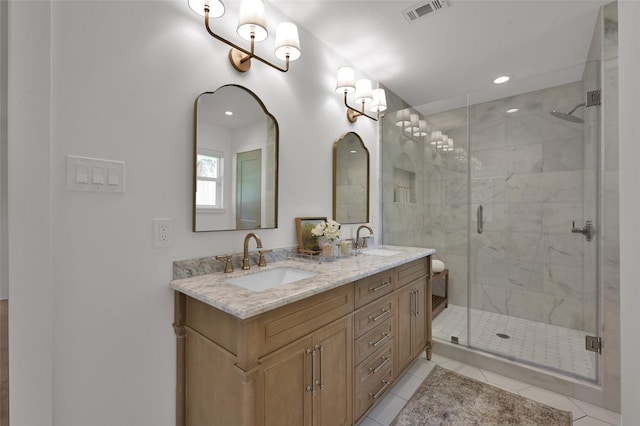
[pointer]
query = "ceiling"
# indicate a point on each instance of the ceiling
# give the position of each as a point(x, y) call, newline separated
point(433, 62)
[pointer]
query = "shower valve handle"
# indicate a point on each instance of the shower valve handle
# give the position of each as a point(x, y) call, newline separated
point(588, 230)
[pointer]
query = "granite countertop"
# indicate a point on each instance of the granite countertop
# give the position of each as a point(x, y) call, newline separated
point(215, 290)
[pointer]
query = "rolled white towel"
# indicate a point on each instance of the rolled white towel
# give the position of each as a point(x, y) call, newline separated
point(437, 265)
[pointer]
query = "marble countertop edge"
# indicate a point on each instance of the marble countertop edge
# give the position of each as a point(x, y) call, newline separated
point(215, 290)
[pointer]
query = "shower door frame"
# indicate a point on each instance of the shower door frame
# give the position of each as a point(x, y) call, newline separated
point(595, 216)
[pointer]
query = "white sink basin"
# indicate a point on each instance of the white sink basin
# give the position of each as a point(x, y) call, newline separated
point(381, 252)
point(272, 278)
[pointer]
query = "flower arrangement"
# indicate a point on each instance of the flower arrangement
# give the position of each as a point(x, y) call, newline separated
point(329, 229)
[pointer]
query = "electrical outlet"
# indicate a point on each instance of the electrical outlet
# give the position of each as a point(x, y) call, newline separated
point(162, 232)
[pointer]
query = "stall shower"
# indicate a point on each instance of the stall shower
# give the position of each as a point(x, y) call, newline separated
point(518, 195)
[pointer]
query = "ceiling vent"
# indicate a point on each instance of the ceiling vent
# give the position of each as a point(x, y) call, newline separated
point(422, 9)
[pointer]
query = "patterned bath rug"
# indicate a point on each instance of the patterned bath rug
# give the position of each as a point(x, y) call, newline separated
point(446, 398)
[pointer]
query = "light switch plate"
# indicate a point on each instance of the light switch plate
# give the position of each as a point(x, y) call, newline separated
point(95, 174)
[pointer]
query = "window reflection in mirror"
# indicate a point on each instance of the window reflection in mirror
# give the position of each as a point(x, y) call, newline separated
point(236, 162)
point(350, 179)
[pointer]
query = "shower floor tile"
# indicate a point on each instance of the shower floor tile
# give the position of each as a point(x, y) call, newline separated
point(544, 344)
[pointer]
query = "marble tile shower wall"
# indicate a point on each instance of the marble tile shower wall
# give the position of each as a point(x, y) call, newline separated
point(436, 214)
point(404, 164)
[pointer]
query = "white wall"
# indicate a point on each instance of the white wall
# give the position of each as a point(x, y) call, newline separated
point(30, 216)
point(629, 66)
point(4, 272)
point(91, 339)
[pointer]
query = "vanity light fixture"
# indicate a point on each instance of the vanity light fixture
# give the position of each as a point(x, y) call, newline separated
point(414, 123)
point(422, 129)
point(362, 94)
point(436, 136)
point(403, 118)
point(449, 146)
point(441, 142)
point(252, 26)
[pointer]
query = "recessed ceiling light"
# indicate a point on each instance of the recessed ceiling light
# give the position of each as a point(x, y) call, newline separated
point(501, 79)
point(353, 152)
point(512, 110)
point(228, 112)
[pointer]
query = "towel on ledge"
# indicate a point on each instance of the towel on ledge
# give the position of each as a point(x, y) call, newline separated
point(437, 265)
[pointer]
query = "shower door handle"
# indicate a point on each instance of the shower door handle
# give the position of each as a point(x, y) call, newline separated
point(479, 218)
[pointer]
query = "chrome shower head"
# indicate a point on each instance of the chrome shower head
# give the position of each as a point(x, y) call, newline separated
point(569, 116)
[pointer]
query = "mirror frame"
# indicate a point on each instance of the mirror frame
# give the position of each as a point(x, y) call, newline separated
point(335, 176)
point(195, 158)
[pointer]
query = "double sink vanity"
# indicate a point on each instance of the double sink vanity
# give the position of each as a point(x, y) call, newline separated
point(291, 342)
point(299, 342)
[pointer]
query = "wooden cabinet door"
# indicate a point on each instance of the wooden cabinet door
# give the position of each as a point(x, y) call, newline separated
point(412, 328)
point(284, 399)
point(419, 326)
point(404, 309)
point(333, 400)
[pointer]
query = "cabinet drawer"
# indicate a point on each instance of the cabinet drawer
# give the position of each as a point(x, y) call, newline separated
point(370, 288)
point(373, 314)
point(413, 270)
point(372, 368)
point(367, 396)
point(371, 341)
point(283, 325)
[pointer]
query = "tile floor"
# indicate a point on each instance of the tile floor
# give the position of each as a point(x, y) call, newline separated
point(544, 344)
point(584, 414)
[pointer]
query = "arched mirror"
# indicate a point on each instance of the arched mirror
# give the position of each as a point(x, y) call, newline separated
point(236, 162)
point(350, 179)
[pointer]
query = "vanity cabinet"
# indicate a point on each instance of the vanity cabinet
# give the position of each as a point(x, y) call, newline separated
point(309, 381)
point(321, 361)
point(256, 371)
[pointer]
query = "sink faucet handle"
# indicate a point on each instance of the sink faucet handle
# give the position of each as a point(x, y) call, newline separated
point(262, 261)
point(228, 267)
point(364, 242)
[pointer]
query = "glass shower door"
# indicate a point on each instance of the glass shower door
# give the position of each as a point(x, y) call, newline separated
point(533, 293)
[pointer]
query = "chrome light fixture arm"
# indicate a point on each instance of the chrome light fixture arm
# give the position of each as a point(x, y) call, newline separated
point(353, 113)
point(240, 58)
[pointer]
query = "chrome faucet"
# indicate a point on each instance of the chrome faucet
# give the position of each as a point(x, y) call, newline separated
point(245, 258)
point(364, 241)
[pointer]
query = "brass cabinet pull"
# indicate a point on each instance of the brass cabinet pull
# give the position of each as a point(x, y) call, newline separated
point(385, 359)
point(311, 388)
point(380, 315)
point(376, 395)
point(382, 285)
point(412, 301)
point(384, 336)
point(320, 383)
